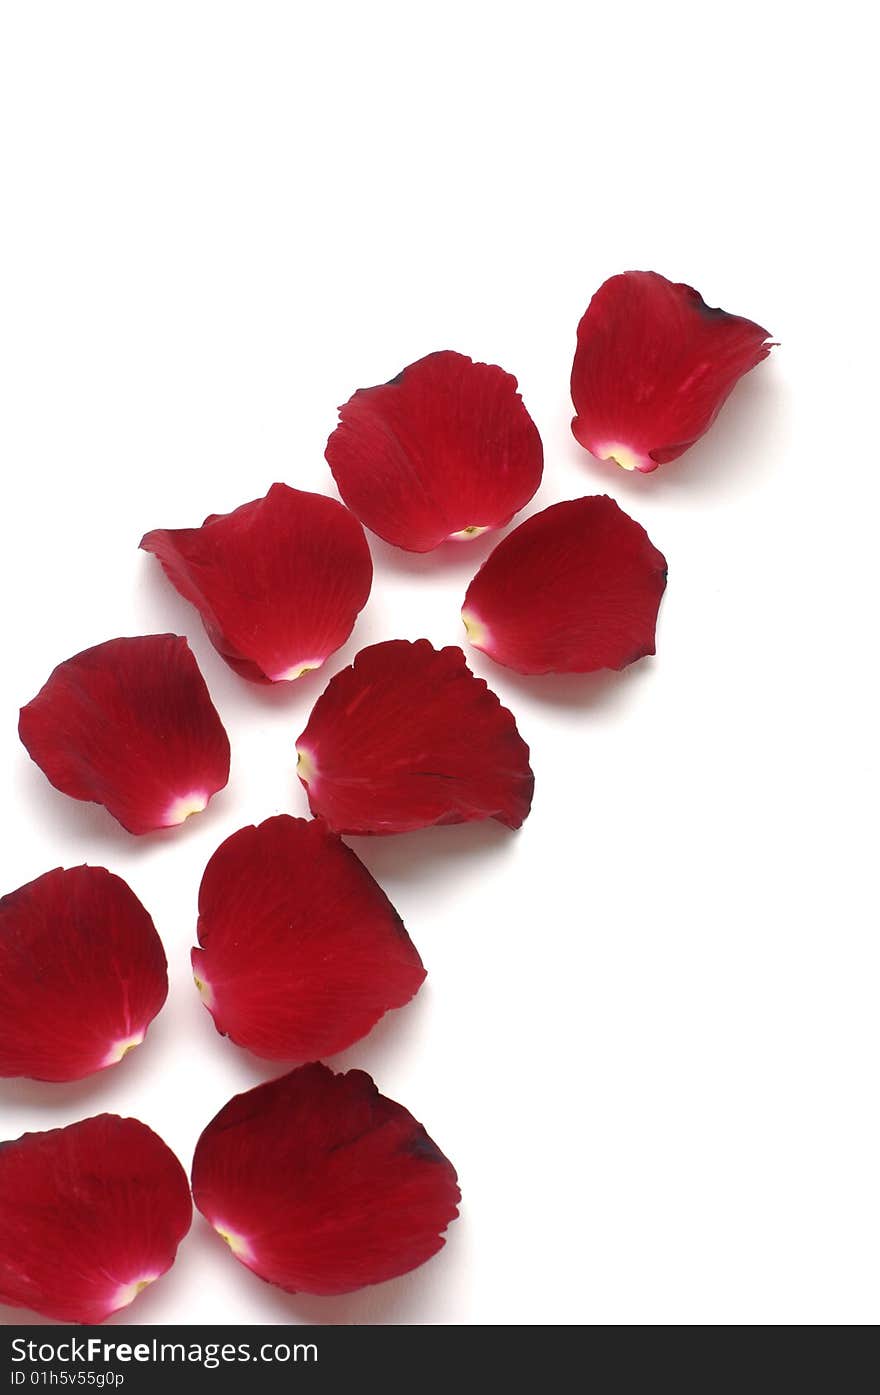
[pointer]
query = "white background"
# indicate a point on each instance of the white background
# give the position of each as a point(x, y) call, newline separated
point(648, 1036)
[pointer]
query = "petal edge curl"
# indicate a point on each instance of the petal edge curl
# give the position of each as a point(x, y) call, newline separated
point(279, 582)
point(653, 367)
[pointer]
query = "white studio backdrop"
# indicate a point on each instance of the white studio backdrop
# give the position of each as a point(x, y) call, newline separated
point(648, 1035)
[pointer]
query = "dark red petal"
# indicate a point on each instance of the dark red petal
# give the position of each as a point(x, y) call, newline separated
point(573, 589)
point(319, 1184)
point(82, 974)
point(654, 365)
point(278, 583)
point(445, 450)
point(302, 952)
point(130, 725)
point(407, 737)
point(89, 1216)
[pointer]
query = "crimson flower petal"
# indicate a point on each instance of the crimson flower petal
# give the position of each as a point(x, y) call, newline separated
point(319, 1184)
point(653, 367)
point(130, 725)
point(82, 974)
point(573, 589)
point(278, 583)
point(445, 450)
point(407, 737)
point(301, 950)
point(90, 1215)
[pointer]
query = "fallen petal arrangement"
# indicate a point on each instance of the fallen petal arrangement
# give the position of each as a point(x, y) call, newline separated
point(130, 725)
point(319, 1184)
point(301, 951)
point(82, 974)
point(278, 583)
point(654, 366)
point(444, 451)
point(573, 589)
point(90, 1216)
point(406, 738)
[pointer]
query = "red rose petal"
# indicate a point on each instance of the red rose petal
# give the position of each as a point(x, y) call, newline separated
point(319, 1184)
point(407, 737)
point(573, 589)
point(302, 952)
point(445, 450)
point(130, 725)
point(82, 974)
point(278, 583)
point(653, 367)
point(89, 1216)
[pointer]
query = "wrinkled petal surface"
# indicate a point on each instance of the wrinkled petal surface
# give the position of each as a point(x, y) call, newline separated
point(573, 589)
point(82, 974)
point(319, 1184)
point(445, 450)
point(301, 951)
point(130, 725)
point(278, 583)
point(90, 1215)
point(653, 367)
point(407, 737)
